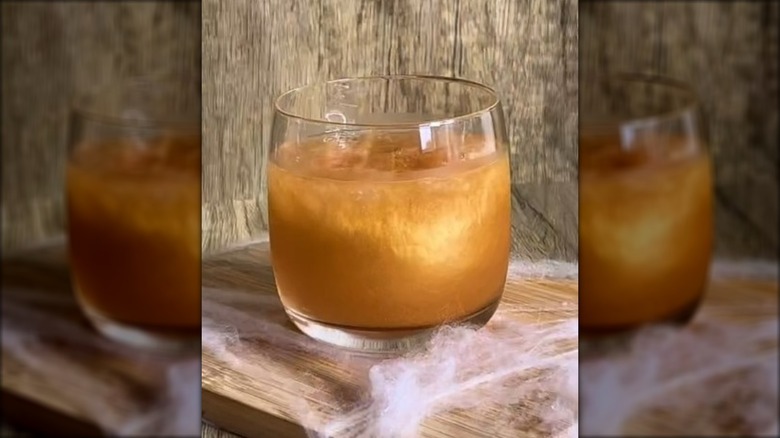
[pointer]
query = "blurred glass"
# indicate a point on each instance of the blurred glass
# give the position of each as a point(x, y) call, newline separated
point(133, 208)
point(389, 207)
point(646, 203)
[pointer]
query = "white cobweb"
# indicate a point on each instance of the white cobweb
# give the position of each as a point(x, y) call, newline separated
point(531, 366)
point(521, 378)
point(706, 378)
point(711, 378)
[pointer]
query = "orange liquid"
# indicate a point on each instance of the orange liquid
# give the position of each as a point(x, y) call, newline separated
point(646, 230)
point(134, 224)
point(380, 235)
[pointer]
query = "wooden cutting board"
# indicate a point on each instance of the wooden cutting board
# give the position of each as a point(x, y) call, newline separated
point(60, 376)
point(736, 324)
point(270, 406)
point(127, 384)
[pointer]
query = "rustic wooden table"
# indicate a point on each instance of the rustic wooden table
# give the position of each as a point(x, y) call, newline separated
point(258, 389)
point(211, 431)
point(258, 405)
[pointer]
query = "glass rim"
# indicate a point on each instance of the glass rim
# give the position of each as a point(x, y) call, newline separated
point(494, 103)
point(85, 108)
point(690, 104)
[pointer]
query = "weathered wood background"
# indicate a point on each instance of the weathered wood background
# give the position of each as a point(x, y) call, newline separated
point(527, 50)
point(53, 52)
point(728, 51)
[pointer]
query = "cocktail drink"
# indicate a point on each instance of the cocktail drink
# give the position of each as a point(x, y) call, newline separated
point(133, 202)
point(646, 212)
point(382, 231)
point(388, 237)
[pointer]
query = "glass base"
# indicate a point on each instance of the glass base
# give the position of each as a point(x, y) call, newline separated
point(380, 340)
point(595, 341)
point(173, 341)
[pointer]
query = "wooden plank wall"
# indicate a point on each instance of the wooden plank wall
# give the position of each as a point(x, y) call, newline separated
point(53, 52)
point(728, 51)
point(527, 50)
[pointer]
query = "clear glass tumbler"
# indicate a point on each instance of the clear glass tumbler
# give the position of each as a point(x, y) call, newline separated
point(389, 207)
point(646, 203)
point(133, 204)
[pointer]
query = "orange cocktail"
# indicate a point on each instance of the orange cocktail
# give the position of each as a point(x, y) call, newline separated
point(646, 230)
point(389, 208)
point(380, 235)
point(646, 204)
point(134, 231)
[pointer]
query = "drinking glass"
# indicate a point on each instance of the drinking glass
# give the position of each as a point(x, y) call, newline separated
point(646, 203)
point(133, 208)
point(388, 207)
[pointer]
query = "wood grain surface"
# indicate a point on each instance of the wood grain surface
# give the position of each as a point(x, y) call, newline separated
point(252, 51)
point(729, 52)
point(235, 402)
point(53, 53)
point(296, 369)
